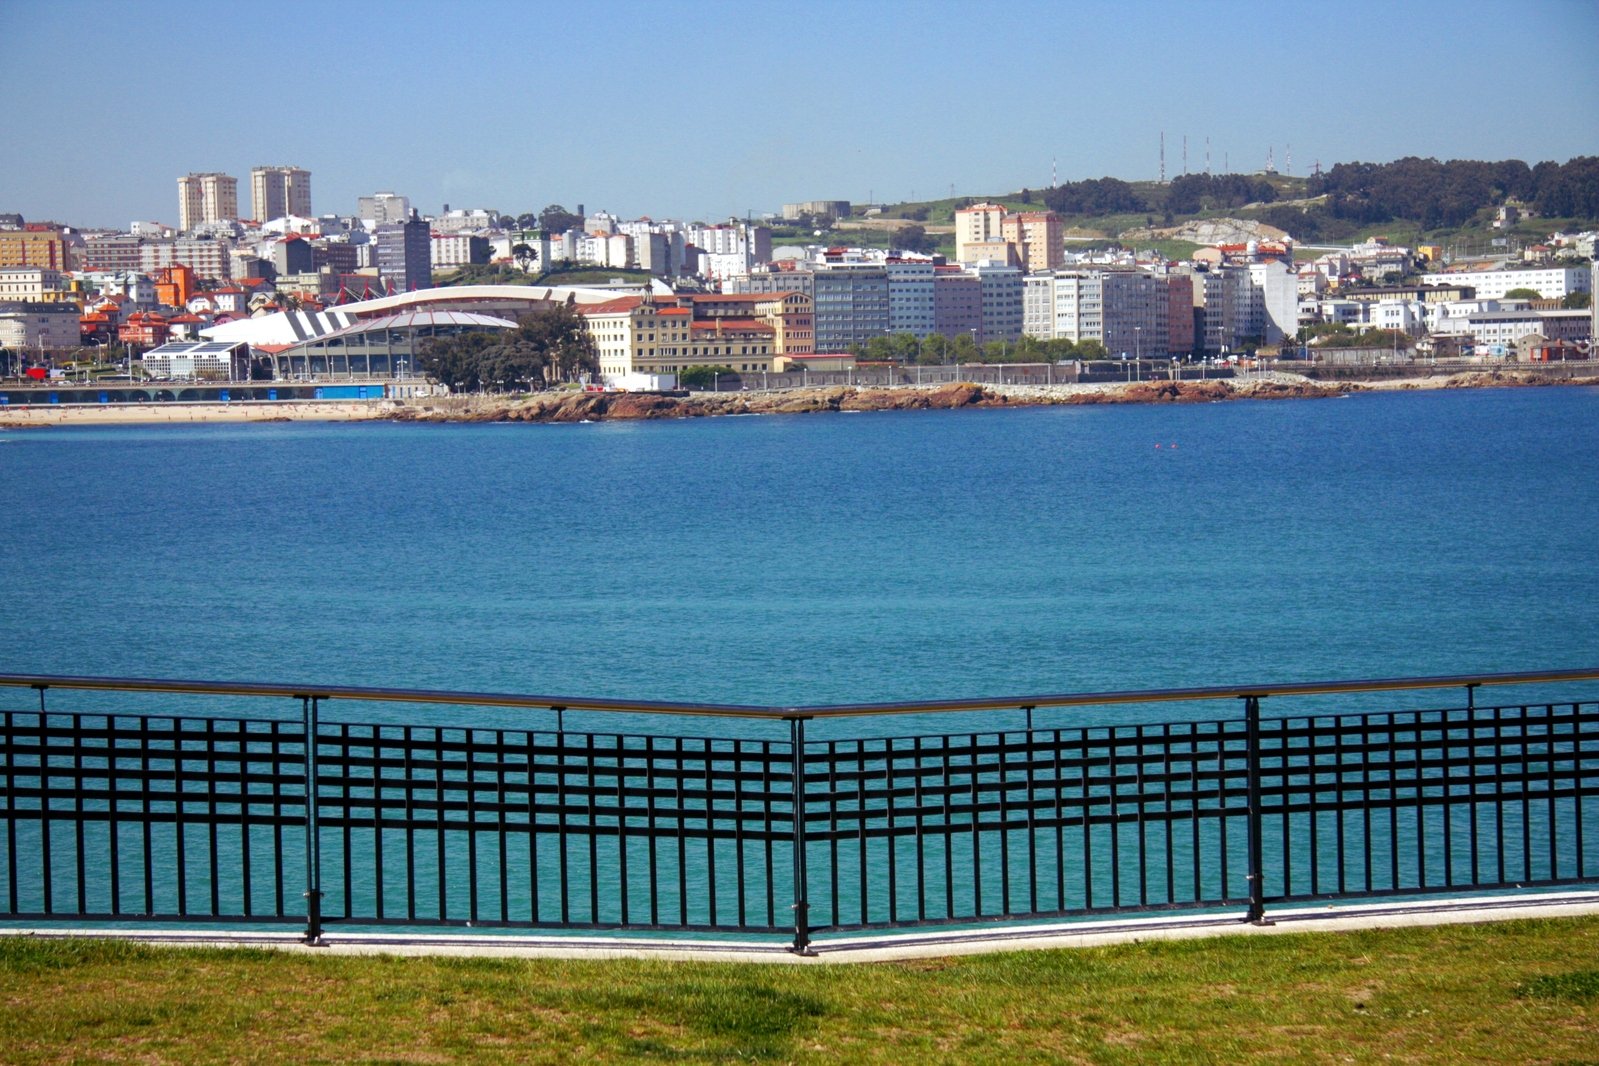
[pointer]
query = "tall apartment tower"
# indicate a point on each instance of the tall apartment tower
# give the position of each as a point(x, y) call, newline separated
point(405, 253)
point(279, 191)
point(206, 197)
point(975, 227)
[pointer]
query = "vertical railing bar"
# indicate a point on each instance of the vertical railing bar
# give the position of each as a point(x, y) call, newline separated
point(178, 812)
point(977, 820)
point(1499, 791)
point(1393, 800)
point(768, 831)
point(1168, 809)
point(1577, 785)
point(1420, 799)
point(836, 896)
point(378, 870)
point(1030, 782)
point(1549, 748)
point(624, 886)
point(441, 798)
point(1087, 823)
point(1526, 793)
point(347, 831)
point(1257, 874)
point(11, 813)
point(802, 905)
point(710, 828)
point(1446, 738)
point(1002, 745)
point(652, 829)
point(502, 821)
point(741, 876)
point(213, 783)
point(470, 750)
point(113, 804)
point(947, 788)
point(1115, 814)
point(1140, 814)
point(681, 778)
point(309, 709)
point(562, 816)
point(919, 827)
point(893, 840)
point(409, 742)
point(1057, 786)
point(592, 801)
point(1313, 759)
point(862, 818)
point(78, 812)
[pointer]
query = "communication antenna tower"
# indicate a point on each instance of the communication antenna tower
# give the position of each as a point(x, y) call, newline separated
point(1288, 159)
point(1207, 157)
point(1163, 157)
point(1315, 169)
point(1185, 154)
point(1054, 177)
point(1271, 165)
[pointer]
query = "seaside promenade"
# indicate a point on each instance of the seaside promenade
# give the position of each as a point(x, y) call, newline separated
point(571, 406)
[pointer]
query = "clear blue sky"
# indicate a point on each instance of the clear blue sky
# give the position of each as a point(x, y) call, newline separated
point(702, 110)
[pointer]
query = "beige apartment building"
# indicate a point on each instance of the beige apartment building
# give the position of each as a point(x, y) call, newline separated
point(980, 224)
point(1038, 237)
point(207, 197)
point(668, 334)
point(1032, 240)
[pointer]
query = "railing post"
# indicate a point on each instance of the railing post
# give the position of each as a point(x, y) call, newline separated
point(1256, 874)
point(802, 905)
point(309, 706)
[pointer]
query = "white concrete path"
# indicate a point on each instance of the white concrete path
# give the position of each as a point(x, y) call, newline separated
point(883, 947)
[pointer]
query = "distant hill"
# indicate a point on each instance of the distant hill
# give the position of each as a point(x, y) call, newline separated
point(1411, 198)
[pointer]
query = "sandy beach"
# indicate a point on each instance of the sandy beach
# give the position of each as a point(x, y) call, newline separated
point(570, 406)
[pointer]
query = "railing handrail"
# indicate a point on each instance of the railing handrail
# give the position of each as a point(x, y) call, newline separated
point(729, 710)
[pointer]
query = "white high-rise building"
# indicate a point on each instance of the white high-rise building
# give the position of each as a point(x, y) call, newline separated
point(209, 197)
point(277, 192)
point(383, 207)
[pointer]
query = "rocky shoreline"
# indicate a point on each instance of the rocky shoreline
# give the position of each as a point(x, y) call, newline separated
point(571, 406)
point(568, 407)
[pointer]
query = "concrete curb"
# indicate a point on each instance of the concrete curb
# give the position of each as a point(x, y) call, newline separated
point(886, 947)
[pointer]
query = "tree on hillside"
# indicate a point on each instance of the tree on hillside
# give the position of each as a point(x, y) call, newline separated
point(1575, 301)
point(1523, 294)
point(527, 220)
point(913, 238)
point(525, 255)
point(557, 219)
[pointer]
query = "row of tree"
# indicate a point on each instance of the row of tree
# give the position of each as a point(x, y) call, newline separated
point(935, 349)
point(548, 346)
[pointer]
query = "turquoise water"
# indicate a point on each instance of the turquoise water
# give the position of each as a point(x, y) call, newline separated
point(814, 559)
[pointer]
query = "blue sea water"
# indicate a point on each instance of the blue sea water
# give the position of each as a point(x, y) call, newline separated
point(818, 559)
point(805, 560)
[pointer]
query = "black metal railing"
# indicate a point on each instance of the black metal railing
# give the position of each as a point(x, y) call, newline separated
point(212, 818)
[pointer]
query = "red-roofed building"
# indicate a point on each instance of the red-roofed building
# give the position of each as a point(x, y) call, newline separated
point(145, 328)
point(667, 334)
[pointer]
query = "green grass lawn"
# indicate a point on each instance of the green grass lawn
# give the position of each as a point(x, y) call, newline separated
point(1525, 991)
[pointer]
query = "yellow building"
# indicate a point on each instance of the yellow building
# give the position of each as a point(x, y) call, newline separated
point(1039, 239)
point(979, 224)
point(668, 334)
point(41, 247)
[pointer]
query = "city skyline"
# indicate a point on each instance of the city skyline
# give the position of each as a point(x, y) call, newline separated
point(702, 111)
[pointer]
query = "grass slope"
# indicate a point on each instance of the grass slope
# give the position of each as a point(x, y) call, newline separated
point(1510, 992)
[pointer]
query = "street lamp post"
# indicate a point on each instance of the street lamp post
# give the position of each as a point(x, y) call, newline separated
point(1138, 350)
